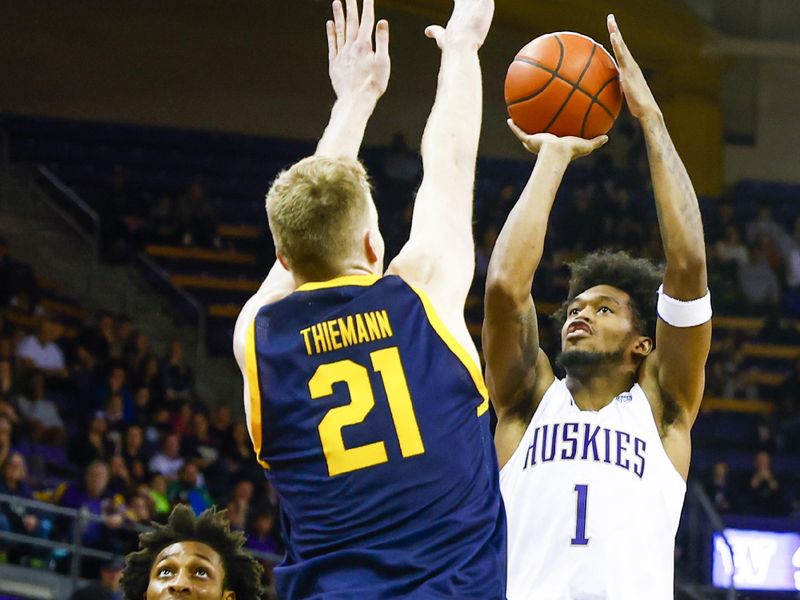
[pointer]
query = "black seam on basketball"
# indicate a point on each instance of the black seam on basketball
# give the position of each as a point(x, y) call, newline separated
point(596, 97)
point(541, 89)
point(596, 100)
point(553, 73)
point(575, 86)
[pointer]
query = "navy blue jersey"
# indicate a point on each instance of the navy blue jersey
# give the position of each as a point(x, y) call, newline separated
point(372, 424)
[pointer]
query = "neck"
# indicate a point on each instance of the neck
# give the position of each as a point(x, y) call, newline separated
point(347, 269)
point(592, 388)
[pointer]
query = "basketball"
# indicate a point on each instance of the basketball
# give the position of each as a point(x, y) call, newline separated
point(563, 83)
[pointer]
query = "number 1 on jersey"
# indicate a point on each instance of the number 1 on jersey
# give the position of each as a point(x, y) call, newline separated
point(580, 538)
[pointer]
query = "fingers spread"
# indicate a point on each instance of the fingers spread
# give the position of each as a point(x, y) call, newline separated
point(338, 20)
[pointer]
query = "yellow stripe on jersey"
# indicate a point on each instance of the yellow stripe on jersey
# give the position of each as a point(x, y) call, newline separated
point(251, 366)
point(362, 280)
point(456, 348)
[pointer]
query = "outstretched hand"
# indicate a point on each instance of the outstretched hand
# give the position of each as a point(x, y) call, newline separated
point(355, 68)
point(637, 93)
point(569, 146)
point(468, 25)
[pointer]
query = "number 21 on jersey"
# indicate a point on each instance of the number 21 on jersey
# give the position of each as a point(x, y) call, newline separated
point(362, 399)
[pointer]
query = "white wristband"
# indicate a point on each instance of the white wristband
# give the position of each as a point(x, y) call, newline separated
point(683, 313)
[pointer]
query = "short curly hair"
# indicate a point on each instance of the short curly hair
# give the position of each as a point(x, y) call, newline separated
point(637, 277)
point(242, 572)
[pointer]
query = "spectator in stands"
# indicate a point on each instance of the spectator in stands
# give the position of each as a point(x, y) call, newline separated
point(134, 352)
point(120, 482)
point(8, 387)
point(93, 495)
point(181, 420)
point(158, 495)
point(261, 535)
point(94, 445)
point(40, 414)
point(150, 376)
point(792, 261)
point(41, 351)
point(200, 445)
point(238, 450)
point(141, 407)
point(14, 482)
point(133, 448)
point(758, 283)
point(190, 489)
point(176, 376)
point(15, 277)
point(114, 385)
point(169, 461)
point(99, 338)
point(8, 391)
point(238, 513)
point(197, 221)
point(108, 588)
point(730, 249)
point(765, 226)
point(6, 430)
point(764, 493)
point(123, 330)
point(221, 422)
point(164, 226)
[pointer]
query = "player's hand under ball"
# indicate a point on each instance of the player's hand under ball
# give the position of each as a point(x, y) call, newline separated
point(569, 146)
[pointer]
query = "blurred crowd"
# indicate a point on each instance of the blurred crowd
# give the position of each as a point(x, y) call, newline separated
point(98, 421)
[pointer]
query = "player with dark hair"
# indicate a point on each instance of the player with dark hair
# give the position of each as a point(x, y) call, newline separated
point(365, 400)
point(594, 465)
point(196, 557)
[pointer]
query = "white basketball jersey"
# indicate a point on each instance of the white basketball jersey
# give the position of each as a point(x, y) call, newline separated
point(593, 503)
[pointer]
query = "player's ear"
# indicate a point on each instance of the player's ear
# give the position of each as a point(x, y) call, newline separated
point(643, 346)
point(229, 595)
point(282, 260)
point(372, 246)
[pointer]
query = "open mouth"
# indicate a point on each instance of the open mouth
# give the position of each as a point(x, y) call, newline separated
point(578, 329)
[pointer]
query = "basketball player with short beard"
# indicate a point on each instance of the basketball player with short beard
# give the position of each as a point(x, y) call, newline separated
point(593, 466)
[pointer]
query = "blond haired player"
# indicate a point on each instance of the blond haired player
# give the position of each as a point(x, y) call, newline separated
point(365, 401)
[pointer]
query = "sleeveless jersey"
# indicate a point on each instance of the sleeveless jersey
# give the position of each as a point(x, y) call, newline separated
point(372, 424)
point(593, 503)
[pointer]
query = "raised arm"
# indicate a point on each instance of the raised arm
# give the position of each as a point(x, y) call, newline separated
point(517, 371)
point(439, 256)
point(681, 352)
point(359, 75)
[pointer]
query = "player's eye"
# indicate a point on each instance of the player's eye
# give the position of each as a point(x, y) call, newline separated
point(164, 571)
point(604, 309)
point(202, 573)
point(573, 311)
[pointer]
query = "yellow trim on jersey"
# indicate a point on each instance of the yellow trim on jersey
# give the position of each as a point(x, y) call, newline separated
point(362, 280)
point(251, 366)
point(456, 348)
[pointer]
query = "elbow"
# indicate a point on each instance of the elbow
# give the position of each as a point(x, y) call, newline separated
point(503, 289)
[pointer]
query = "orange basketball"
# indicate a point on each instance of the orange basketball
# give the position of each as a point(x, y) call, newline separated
point(563, 83)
